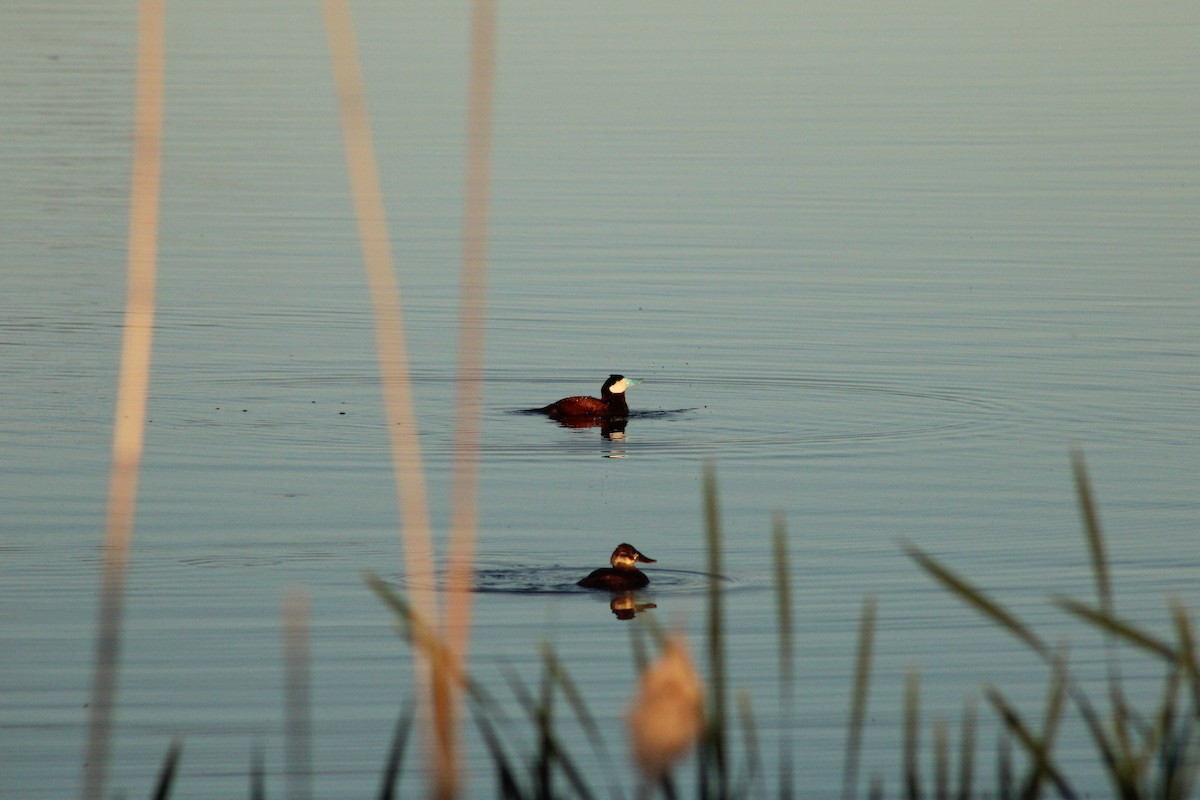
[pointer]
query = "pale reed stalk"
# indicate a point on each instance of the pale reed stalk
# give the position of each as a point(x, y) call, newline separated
point(130, 416)
point(393, 360)
point(465, 483)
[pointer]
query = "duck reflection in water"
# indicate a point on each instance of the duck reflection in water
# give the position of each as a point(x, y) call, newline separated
point(623, 575)
point(624, 606)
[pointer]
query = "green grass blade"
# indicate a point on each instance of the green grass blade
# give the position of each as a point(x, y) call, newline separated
point(858, 708)
point(977, 599)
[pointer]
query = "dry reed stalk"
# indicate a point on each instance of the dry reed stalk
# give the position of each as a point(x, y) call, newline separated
point(297, 695)
point(393, 365)
point(465, 480)
point(130, 416)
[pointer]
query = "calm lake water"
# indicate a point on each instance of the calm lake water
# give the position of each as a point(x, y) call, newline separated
point(884, 264)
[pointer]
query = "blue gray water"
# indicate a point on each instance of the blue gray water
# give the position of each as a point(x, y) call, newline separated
point(883, 264)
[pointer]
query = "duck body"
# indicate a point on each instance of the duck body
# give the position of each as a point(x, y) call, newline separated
point(623, 575)
point(611, 403)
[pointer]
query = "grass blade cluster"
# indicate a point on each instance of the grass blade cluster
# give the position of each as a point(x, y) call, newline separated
point(1148, 754)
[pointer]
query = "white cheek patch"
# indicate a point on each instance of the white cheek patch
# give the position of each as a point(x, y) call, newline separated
point(619, 387)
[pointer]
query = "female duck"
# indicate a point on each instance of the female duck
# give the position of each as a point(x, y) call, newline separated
point(610, 405)
point(623, 575)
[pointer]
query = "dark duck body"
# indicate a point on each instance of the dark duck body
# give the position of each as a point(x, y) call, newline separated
point(623, 575)
point(609, 405)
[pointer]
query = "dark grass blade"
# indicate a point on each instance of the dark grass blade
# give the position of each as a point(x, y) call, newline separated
point(543, 715)
point(941, 760)
point(912, 727)
point(391, 769)
point(166, 775)
point(1159, 734)
point(510, 787)
point(858, 708)
point(966, 755)
point(583, 715)
point(1004, 767)
point(550, 751)
point(1050, 720)
point(753, 764)
point(1043, 766)
point(258, 776)
point(977, 599)
point(787, 677)
point(1187, 650)
point(1095, 723)
point(712, 758)
point(1121, 629)
point(1091, 527)
point(485, 711)
point(1096, 549)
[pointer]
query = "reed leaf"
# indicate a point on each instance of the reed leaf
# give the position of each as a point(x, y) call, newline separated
point(977, 599)
point(858, 708)
point(1124, 630)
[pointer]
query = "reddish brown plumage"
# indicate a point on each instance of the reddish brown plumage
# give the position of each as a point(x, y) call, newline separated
point(610, 404)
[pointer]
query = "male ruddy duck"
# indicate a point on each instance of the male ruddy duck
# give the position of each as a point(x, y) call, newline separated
point(623, 574)
point(610, 405)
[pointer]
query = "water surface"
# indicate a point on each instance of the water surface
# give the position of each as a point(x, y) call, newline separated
point(883, 265)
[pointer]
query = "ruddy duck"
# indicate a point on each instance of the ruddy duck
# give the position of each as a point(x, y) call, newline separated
point(610, 405)
point(623, 574)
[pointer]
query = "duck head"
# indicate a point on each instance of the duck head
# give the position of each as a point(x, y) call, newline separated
point(626, 556)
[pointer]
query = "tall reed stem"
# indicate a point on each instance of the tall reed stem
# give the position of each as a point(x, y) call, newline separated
point(465, 482)
point(393, 357)
point(130, 418)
